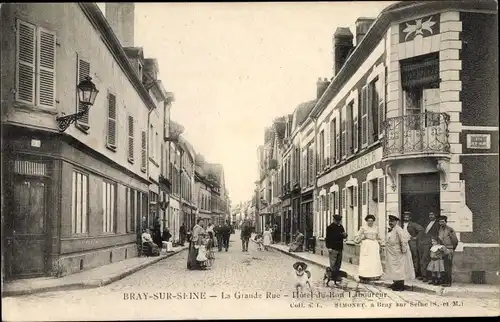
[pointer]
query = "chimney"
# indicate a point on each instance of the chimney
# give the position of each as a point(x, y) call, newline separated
point(321, 86)
point(120, 16)
point(342, 46)
point(362, 26)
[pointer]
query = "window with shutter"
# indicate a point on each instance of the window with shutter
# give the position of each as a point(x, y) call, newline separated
point(321, 151)
point(350, 128)
point(343, 199)
point(337, 195)
point(374, 104)
point(143, 151)
point(131, 139)
point(26, 57)
point(332, 141)
point(364, 116)
point(83, 70)
point(337, 141)
point(343, 136)
point(111, 137)
point(328, 139)
point(46, 68)
point(355, 196)
point(363, 193)
point(381, 189)
point(381, 104)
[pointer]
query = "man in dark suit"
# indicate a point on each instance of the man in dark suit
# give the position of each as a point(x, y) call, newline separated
point(414, 230)
point(448, 237)
point(424, 244)
point(335, 235)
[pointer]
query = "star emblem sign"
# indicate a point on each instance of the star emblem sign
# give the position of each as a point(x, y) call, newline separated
point(419, 27)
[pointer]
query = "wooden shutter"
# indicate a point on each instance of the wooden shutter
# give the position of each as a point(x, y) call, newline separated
point(337, 195)
point(46, 68)
point(381, 189)
point(381, 104)
point(337, 140)
point(131, 138)
point(343, 137)
point(370, 99)
point(83, 70)
point(328, 139)
point(363, 193)
point(355, 128)
point(26, 57)
point(355, 196)
point(332, 141)
point(364, 116)
point(143, 151)
point(111, 137)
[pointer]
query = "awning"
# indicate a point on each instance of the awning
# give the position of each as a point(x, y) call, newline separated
point(419, 73)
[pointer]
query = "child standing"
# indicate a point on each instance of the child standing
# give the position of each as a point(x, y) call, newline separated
point(436, 265)
point(258, 240)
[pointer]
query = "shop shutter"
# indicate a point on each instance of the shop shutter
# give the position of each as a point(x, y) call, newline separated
point(363, 193)
point(46, 73)
point(83, 70)
point(26, 56)
point(111, 137)
point(131, 138)
point(143, 151)
point(381, 189)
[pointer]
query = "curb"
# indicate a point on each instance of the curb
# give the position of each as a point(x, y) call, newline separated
point(413, 288)
point(90, 283)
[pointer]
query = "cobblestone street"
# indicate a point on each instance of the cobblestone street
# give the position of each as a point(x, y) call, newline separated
point(256, 284)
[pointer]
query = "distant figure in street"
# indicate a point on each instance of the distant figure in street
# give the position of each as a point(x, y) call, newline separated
point(166, 235)
point(267, 238)
point(399, 264)
point(414, 230)
point(334, 240)
point(424, 244)
point(218, 235)
point(246, 233)
point(449, 238)
point(182, 234)
point(275, 233)
point(298, 244)
point(157, 231)
point(226, 234)
point(196, 241)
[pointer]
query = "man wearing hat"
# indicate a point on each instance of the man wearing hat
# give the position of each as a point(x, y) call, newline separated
point(399, 264)
point(449, 239)
point(334, 240)
point(414, 230)
point(425, 243)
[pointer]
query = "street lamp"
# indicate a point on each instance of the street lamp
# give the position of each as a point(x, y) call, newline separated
point(87, 92)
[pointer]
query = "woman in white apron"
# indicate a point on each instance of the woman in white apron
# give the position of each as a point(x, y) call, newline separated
point(370, 265)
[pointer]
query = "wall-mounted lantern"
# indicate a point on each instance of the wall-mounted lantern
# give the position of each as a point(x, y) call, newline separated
point(87, 92)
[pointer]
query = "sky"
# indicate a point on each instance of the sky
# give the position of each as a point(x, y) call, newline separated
point(234, 67)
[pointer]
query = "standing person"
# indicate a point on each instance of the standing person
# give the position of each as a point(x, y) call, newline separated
point(210, 232)
point(267, 238)
point(182, 234)
point(196, 239)
point(157, 231)
point(226, 234)
point(334, 240)
point(246, 232)
point(370, 265)
point(219, 235)
point(414, 230)
point(449, 239)
point(399, 264)
point(436, 265)
point(166, 238)
point(424, 245)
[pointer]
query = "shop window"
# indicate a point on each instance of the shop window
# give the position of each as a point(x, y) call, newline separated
point(79, 203)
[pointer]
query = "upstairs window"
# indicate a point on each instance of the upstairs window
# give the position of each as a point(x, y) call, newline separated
point(83, 71)
point(111, 133)
point(131, 139)
point(35, 65)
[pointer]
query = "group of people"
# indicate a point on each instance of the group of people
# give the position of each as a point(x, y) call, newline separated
point(410, 250)
point(202, 239)
point(265, 239)
point(153, 239)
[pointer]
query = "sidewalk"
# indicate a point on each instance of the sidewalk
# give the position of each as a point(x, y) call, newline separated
point(459, 290)
point(91, 278)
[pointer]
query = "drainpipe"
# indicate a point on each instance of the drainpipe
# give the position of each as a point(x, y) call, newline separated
point(147, 163)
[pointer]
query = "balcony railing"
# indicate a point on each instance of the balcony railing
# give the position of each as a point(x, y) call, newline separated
point(424, 133)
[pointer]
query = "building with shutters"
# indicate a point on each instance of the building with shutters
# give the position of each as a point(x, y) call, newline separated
point(407, 124)
point(74, 200)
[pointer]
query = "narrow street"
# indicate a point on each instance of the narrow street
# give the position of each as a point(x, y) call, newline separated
point(254, 284)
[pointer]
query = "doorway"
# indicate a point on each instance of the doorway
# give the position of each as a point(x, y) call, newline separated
point(26, 228)
point(420, 195)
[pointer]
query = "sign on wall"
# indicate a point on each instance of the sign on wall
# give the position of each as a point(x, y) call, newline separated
point(425, 27)
point(479, 141)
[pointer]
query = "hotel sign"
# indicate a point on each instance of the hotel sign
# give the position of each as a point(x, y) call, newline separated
point(357, 164)
point(479, 141)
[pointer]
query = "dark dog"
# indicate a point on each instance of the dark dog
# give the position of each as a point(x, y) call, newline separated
point(336, 277)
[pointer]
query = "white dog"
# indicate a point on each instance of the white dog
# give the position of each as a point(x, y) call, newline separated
point(302, 275)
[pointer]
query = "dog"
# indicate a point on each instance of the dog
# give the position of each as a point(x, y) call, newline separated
point(336, 277)
point(302, 275)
